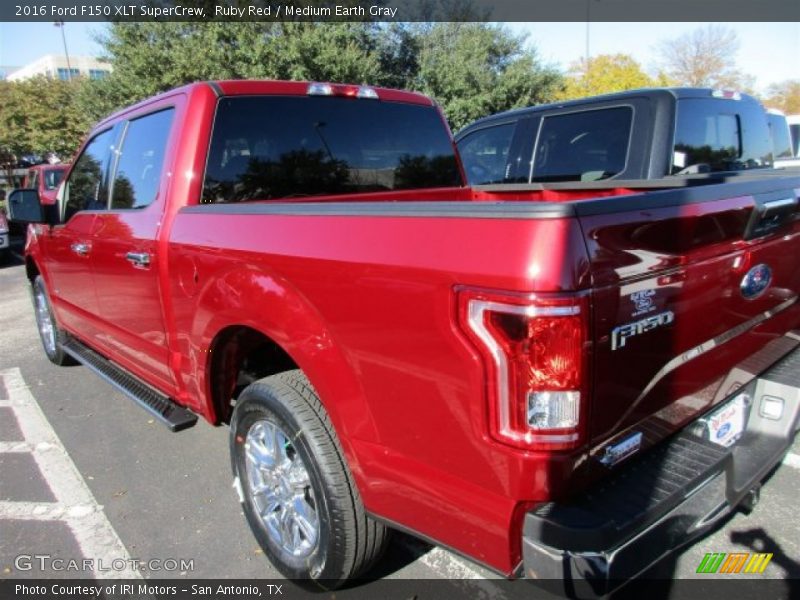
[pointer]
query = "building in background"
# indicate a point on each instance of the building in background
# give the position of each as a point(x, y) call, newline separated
point(55, 66)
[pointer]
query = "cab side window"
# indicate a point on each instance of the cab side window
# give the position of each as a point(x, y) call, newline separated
point(141, 161)
point(86, 186)
point(484, 154)
point(588, 145)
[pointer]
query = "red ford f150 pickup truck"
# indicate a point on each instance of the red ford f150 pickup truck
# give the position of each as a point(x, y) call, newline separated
point(559, 384)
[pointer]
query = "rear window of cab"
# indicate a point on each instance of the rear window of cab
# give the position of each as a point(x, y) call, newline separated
point(273, 147)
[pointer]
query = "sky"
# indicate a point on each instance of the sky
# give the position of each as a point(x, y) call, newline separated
point(769, 51)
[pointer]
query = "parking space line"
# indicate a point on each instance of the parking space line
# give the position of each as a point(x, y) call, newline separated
point(792, 460)
point(32, 511)
point(15, 447)
point(448, 565)
point(75, 504)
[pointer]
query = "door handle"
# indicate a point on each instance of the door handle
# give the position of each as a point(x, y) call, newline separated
point(80, 248)
point(140, 260)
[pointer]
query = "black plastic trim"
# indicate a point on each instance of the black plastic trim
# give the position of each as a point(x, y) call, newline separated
point(683, 196)
point(217, 88)
point(174, 416)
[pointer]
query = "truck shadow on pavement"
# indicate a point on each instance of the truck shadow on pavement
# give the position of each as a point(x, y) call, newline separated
point(758, 540)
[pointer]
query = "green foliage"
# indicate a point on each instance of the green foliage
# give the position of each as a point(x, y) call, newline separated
point(38, 116)
point(476, 69)
point(472, 69)
point(154, 57)
point(605, 74)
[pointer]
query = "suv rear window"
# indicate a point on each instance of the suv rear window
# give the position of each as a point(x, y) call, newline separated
point(267, 147)
point(583, 146)
point(713, 135)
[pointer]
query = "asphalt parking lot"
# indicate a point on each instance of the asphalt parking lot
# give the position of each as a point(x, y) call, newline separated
point(86, 474)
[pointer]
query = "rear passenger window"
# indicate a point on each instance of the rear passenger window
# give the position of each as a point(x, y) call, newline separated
point(583, 146)
point(86, 187)
point(141, 161)
point(485, 154)
point(713, 135)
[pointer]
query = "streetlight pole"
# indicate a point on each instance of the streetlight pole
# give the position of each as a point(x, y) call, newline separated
point(588, 17)
point(61, 25)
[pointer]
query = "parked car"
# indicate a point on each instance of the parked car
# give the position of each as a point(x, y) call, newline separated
point(781, 140)
point(794, 128)
point(5, 249)
point(45, 178)
point(635, 135)
point(562, 381)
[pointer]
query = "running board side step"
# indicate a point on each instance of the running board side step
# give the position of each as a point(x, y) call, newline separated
point(161, 407)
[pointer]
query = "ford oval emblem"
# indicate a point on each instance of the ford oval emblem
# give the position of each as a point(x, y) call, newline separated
point(756, 281)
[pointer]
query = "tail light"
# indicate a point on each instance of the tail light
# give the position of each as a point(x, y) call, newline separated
point(534, 349)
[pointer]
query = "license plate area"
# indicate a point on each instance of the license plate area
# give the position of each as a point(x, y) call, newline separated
point(725, 425)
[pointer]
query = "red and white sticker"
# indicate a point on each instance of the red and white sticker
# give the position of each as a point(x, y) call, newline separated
point(726, 425)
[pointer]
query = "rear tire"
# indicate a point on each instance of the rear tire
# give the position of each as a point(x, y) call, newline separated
point(298, 494)
point(52, 337)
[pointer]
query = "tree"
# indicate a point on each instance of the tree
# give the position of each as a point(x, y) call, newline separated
point(784, 96)
point(604, 74)
point(705, 57)
point(476, 69)
point(40, 115)
point(153, 57)
point(472, 69)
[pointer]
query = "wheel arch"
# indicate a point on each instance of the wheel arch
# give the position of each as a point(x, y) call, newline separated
point(251, 319)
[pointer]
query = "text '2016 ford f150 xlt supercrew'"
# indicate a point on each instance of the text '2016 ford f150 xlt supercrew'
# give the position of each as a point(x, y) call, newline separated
point(537, 381)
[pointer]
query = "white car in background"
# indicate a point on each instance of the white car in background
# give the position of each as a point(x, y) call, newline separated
point(783, 150)
point(794, 130)
point(4, 237)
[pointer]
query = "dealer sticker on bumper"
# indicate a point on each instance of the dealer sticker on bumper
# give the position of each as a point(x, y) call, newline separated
point(726, 424)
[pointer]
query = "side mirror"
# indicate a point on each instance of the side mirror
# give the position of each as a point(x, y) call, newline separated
point(24, 206)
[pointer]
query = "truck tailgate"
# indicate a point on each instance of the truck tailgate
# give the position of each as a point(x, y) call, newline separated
point(694, 294)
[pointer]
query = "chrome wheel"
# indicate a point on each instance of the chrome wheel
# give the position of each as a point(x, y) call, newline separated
point(45, 323)
point(280, 489)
